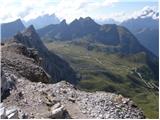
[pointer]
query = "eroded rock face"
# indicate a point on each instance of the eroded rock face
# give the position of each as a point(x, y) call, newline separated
point(56, 67)
point(18, 61)
point(23, 61)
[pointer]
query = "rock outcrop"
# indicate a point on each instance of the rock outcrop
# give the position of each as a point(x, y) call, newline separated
point(56, 67)
point(8, 113)
point(26, 95)
point(62, 100)
point(17, 60)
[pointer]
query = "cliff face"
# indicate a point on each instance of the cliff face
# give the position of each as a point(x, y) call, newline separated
point(25, 94)
point(20, 61)
point(56, 67)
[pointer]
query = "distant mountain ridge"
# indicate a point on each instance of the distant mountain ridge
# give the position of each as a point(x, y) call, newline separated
point(146, 28)
point(147, 18)
point(118, 39)
point(10, 29)
point(139, 23)
point(150, 39)
point(42, 21)
point(116, 36)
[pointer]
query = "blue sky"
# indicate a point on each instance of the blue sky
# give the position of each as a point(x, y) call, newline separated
point(71, 9)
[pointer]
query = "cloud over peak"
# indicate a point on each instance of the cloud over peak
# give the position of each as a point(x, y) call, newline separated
point(147, 11)
point(69, 9)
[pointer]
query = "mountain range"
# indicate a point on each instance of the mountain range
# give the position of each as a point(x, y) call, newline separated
point(110, 34)
point(117, 37)
point(140, 26)
point(145, 27)
point(94, 57)
point(42, 21)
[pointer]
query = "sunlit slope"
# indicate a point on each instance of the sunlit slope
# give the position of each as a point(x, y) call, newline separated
point(107, 71)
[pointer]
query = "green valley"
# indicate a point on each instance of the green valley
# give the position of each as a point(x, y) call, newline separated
point(111, 72)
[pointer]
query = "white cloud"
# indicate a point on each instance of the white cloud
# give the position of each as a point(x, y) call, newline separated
point(68, 9)
point(71, 9)
point(147, 11)
point(13, 9)
point(64, 9)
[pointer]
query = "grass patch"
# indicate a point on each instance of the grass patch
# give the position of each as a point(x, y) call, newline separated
point(110, 72)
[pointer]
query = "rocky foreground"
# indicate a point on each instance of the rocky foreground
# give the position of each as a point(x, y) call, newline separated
point(26, 92)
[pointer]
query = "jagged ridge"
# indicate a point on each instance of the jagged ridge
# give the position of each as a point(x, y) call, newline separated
point(113, 35)
point(54, 65)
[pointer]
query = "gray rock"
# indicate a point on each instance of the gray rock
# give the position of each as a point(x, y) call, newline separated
point(24, 116)
point(13, 115)
point(3, 113)
point(10, 111)
point(125, 100)
point(1, 105)
point(57, 113)
point(71, 99)
point(57, 105)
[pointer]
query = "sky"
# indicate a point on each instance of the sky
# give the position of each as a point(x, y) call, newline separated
point(70, 9)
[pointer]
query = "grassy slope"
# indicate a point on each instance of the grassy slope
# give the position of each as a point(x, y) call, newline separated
point(108, 72)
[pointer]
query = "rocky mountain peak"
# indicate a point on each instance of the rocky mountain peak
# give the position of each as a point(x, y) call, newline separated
point(81, 18)
point(10, 29)
point(88, 18)
point(42, 20)
point(63, 22)
point(83, 21)
point(18, 20)
point(75, 21)
point(30, 38)
point(30, 30)
point(57, 68)
point(15, 22)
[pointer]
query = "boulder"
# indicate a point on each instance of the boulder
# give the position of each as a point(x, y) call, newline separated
point(8, 113)
point(57, 113)
point(3, 113)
